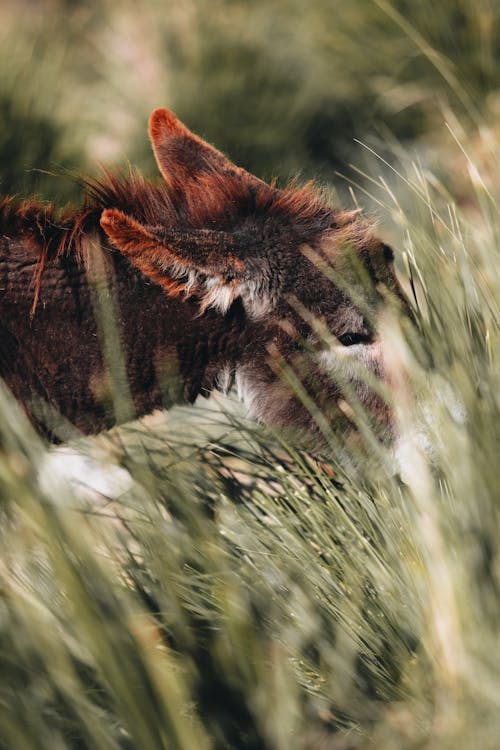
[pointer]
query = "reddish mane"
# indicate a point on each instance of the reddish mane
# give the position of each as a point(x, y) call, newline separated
point(51, 231)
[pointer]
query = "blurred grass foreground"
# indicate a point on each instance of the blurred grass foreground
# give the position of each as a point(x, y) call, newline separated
point(218, 588)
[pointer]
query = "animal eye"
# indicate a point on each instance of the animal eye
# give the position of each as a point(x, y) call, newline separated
point(350, 339)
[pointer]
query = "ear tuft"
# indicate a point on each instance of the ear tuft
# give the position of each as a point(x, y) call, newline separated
point(110, 217)
point(124, 231)
point(164, 123)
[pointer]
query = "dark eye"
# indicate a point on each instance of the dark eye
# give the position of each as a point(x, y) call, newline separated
point(350, 339)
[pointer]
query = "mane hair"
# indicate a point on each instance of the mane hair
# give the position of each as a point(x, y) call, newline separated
point(50, 231)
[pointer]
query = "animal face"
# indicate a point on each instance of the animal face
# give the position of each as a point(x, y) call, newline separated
point(309, 278)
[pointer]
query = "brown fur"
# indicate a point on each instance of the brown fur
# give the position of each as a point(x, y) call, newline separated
point(232, 261)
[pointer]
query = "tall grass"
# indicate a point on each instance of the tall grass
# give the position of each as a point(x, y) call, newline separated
point(237, 593)
point(232, 591)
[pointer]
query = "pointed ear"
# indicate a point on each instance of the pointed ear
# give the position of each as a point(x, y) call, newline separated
point(193, 167)
point(196, 261)
point(141, 248)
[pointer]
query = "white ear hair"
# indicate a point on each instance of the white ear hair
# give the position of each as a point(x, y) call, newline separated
point(257, 302)
point(217, 293)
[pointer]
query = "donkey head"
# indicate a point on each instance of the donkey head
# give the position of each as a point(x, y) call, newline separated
point(310, 279)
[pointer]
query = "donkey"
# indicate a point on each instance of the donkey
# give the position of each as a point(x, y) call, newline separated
point(217, 277)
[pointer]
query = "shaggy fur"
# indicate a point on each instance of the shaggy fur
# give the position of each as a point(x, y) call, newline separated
point(217, 278)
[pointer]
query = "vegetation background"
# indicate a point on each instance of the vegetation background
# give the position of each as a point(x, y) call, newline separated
point(223, 591)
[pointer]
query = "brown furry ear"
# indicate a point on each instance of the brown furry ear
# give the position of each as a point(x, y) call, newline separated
point(201, 261)
point(141, 248)
point(192, 167)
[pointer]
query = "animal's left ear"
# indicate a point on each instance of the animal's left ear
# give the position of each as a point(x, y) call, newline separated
point(202, 180)
point(204, 262)
point(186, 160)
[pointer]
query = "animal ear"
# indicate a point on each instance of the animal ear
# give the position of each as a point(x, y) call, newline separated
point(194, 168)
point(204, 262)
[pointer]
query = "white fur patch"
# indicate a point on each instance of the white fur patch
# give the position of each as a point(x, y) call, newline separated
point(220, 295)
point(224, 379)
point(257, 303)
point(250, 394)
point(215, 292)
point(346, 361)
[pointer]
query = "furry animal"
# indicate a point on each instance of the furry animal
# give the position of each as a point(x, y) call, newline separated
point(216, 278)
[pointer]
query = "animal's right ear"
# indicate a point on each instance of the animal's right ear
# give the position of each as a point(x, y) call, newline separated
point(215, 266)
point(192, 167)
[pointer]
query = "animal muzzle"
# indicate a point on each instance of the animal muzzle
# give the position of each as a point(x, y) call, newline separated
point(359, 384)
